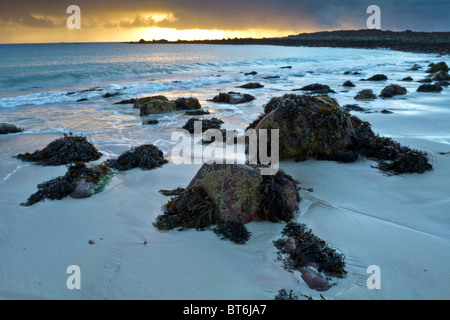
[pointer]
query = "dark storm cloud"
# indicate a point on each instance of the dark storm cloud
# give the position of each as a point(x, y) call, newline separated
point(235, 14)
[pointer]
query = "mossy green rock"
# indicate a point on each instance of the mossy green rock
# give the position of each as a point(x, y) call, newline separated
point(157, 106)
point(310, 126)
point(237, 192)
point(160, 104)
point(138, 103)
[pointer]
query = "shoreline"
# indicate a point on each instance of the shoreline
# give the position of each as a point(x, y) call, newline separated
point(409, 41)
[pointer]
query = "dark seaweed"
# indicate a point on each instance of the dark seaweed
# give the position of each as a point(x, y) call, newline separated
point(192, 209)
point(63, 151)
point(146, 157)
point(273, 205)
point(234, 231)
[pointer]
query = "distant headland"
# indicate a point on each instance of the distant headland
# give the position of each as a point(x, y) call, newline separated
point(411, 41)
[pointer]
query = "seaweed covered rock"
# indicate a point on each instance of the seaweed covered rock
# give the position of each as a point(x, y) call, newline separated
point(146, 157)
point(309, 126)
point(233, 231)
point(429, 88)
point(78, 182)
point(440, 66)
point(316, 127)
point(68, 149)
point(221, 193)
point(310, 250)
point(411, 162)
point(233, 98)
point(377, 77)
point(366, 94)
point(6, 128)
point(207, 124)
point(393, 90)
point(316, 88)
point(251, 85)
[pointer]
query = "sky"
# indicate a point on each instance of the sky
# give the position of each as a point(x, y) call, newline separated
point(31, 21)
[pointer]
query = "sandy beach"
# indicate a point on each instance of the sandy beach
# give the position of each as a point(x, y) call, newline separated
point(397, 222)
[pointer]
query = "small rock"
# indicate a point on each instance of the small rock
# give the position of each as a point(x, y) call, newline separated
point(348, 83)
point(109, 94)
point(272, 77)
point(407, 79)
point(314, 280)
point(384, 111)
point(253, 73)
point(377, 77)
point(150, 121)
point(6, 128)
point(366, 94)
point(290, 245)
point(429, 88)
point(233, 98)
point(316, 88)
point(392, 90)
point(415, 67)
point(207, 124)
point(251, 85)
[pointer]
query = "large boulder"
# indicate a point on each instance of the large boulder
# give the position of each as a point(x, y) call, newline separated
point(309, 126)
point(221, 193)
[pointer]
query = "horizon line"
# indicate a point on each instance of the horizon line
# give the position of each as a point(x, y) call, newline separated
point(226, 39)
